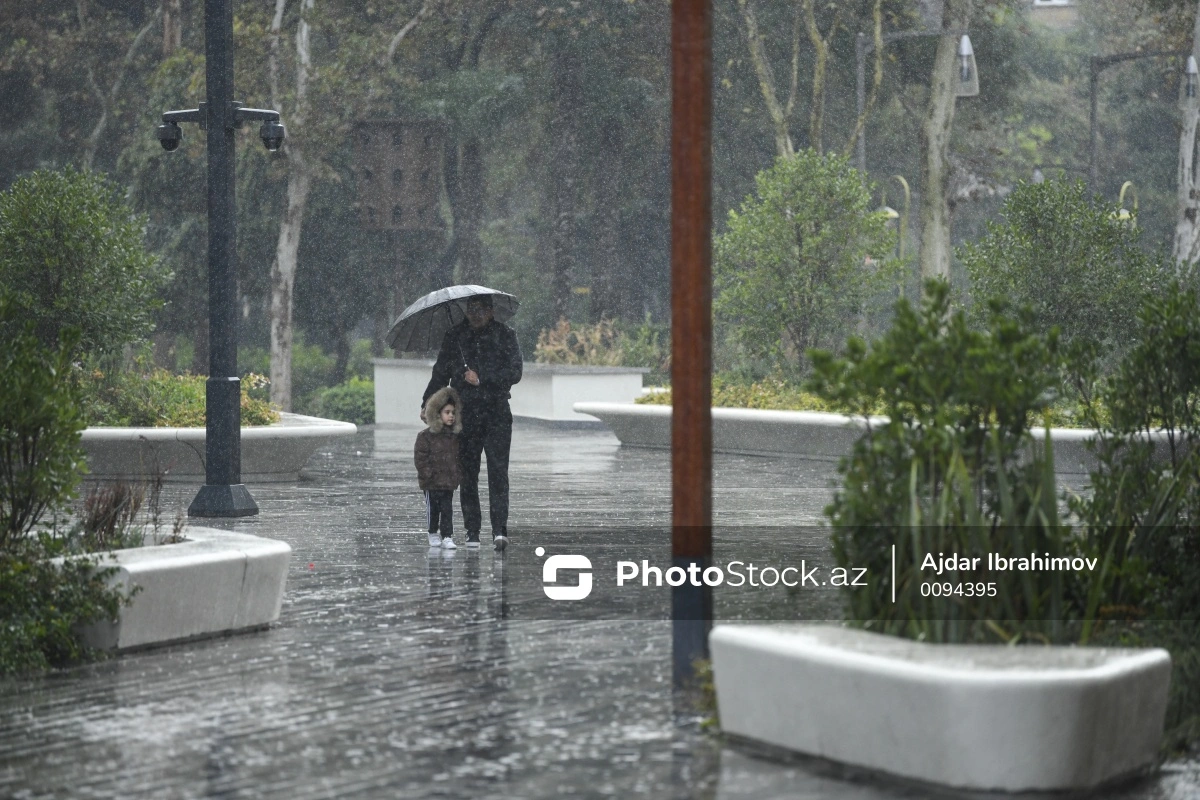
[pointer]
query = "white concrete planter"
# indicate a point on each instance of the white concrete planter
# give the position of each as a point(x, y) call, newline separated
point(966, 716)
point(214, 582)
point(547, 392)
point(270, 453)
point(806, 434)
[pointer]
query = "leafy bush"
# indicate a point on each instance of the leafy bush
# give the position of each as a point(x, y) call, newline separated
point(72, 255)
point(149, 397)
point(607, 343)
point(312, 369)
point(792, 268)
point(1144, 507)
point(953, 470)
point(1062, 254)
point(44, 603)
point(41, 460)
point(770, 393)
point(352, 401)
point(582, 344)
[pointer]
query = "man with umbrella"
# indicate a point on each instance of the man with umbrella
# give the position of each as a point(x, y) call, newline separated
point(481, 359)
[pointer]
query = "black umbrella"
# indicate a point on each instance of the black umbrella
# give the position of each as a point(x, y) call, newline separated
point(423, 325)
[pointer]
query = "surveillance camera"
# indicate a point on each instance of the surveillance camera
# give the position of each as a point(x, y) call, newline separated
point(272, 133)
point(169, 136)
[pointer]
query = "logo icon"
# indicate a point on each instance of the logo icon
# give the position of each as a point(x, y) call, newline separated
point(550, 576)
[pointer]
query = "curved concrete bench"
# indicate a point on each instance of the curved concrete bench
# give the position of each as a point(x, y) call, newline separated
point(270, 453)
point(968, 716)
point(212, 583)
point(808, 434)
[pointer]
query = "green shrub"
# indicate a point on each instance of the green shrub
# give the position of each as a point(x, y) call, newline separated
point(1144, 508)
point(149, 397)
point(352, 401)
point(72, 255)
point(1060, 252)
point(311, 368)
point(41, 460)
point(953, 470)
point(580, 344)
point(792, 268)
point(361, 360)
point(43, 605)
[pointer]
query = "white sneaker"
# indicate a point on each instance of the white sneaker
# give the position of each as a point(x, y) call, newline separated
point(435, 540)
point(448, 544)
point(500, 542)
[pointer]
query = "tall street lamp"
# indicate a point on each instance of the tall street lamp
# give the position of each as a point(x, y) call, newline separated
point(223, 493)
point(968, 75)
point(1097, 65)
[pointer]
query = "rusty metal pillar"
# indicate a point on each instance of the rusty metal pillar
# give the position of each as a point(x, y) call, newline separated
point(691, 329)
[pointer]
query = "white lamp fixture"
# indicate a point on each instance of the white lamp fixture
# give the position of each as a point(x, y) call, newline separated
point(968, 76)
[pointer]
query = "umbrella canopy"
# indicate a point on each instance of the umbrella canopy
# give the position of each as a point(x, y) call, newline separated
point(423, 325)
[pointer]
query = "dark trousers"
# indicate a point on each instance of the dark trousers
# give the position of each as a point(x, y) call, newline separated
point(486, 429)
point(439, 511)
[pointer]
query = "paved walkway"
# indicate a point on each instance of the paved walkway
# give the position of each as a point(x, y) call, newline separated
point(396, 671)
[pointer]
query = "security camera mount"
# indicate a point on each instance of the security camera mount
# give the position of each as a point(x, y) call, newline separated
point(272, 131)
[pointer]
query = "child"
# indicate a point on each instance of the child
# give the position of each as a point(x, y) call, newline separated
point(436, 455)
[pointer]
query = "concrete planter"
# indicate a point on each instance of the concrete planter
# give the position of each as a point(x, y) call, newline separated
point(271, 453)
point(806, 434)
point(212, 583)
point(966, 716)
point(546, 393)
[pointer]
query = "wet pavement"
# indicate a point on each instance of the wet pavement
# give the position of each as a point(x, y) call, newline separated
point(400, 671)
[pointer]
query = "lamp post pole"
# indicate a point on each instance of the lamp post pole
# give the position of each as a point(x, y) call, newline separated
point(223, 493)
point(691, 329)
point(1097, 65)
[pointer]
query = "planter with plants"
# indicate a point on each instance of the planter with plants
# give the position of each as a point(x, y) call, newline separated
point(1058, 671)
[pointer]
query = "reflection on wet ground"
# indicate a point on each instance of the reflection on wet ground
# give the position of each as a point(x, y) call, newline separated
point(400, 671)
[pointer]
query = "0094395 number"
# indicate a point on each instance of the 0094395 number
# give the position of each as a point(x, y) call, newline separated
point(945, 589)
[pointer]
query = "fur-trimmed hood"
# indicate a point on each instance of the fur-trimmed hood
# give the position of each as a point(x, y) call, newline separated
point(433, 409)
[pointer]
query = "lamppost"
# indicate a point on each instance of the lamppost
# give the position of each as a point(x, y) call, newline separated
point(1097, 65)
point(863, 47)
point(223, 493)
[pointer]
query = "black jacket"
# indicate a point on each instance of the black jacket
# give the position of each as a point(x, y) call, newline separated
point(494, 354)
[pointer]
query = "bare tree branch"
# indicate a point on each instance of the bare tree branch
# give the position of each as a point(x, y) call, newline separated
point(427, 8)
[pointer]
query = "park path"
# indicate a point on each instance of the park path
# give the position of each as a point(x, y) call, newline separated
point(400, 672)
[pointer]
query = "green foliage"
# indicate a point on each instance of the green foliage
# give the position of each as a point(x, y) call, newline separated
point(953, 469)
point(774, 392)
point(607, 343)
point(791, 268)
point(360, 364)
point(44, 603)
point(311, 368)
point(72, 255)
point(1144, 507)
point(40, 457)
point(1061, 253)
point(149, 397)
point(581, 344)
point(352, 401)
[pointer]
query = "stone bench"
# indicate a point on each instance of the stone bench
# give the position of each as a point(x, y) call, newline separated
point(808, 434)
point(270, 453)
point(978, 717)
point(212, 583)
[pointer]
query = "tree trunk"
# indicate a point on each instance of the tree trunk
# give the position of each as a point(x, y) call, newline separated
point(935, 146)
point(172, 27)
point(780, 114)
point(283, 278)
point(1187, 225)
point(609, 285)
point(563, 173)
point(283, 270)
point(470, 217)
